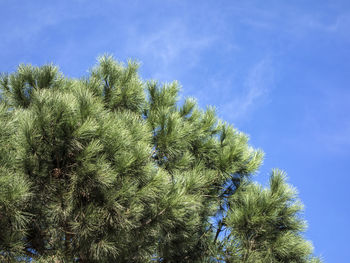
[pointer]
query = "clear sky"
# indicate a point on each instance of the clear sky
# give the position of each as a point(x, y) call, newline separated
point(277, 70)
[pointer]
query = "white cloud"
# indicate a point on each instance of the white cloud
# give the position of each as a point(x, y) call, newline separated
point(337, 141)
point(337, 24)
point(257, 86)
point(170, 48)
point(328, 123)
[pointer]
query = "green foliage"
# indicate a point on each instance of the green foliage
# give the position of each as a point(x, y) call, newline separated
point(113, 169)
point(14, 191)
point(265, 224)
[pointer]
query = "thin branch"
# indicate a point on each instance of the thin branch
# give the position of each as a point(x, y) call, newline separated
point(152, 219)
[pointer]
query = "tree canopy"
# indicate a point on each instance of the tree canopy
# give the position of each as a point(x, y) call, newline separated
point(111, 168)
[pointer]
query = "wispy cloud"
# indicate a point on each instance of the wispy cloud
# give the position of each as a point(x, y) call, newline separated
point(257, 86)
point(170, 43)
point(30, 23)
point(171, 48)
point(328, 124)
point(337, 27)
point(336, 141)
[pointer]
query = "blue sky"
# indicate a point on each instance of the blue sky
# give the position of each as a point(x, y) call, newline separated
point(277, 70)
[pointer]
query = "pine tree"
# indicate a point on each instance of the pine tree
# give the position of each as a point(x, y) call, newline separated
point(110, 168)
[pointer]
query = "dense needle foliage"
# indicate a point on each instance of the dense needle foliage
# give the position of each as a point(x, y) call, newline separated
point(114, 169)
